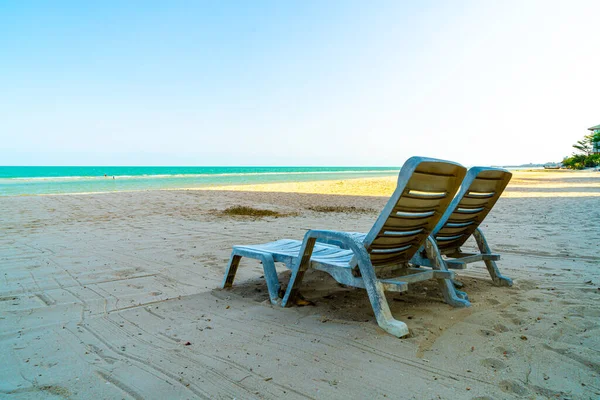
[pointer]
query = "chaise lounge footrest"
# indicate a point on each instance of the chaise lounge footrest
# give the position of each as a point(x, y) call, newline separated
point(469, 258)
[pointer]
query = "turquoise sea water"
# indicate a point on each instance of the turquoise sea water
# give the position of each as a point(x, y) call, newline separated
point(20, 181)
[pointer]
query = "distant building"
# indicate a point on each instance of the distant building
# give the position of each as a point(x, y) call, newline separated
point(596, 144)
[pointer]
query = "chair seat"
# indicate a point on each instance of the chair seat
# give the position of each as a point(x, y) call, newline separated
point(287, 250)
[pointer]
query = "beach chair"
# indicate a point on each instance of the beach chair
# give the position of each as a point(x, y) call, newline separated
point(478, 193)
point(377, 261)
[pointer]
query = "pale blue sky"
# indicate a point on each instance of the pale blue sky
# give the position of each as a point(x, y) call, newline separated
point(295, 82)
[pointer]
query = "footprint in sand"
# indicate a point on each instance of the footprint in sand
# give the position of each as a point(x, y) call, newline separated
point(567, 303)
point(501, 328)
point(493, 302)
point(486, 332)
point(131, 285)
point(512, 387)
point(513, 318)
point(493, 363)
point(504, 351)
point(536, 299)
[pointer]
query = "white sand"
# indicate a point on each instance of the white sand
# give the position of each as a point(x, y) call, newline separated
point(101, 293)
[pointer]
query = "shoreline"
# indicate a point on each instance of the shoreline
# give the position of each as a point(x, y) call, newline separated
point(384, 185)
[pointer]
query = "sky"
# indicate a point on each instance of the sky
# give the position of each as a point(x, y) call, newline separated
point(304, 82)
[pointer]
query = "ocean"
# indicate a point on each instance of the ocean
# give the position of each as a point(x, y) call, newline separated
point(27, 181)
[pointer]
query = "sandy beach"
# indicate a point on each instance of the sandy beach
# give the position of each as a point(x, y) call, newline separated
point(115, 296)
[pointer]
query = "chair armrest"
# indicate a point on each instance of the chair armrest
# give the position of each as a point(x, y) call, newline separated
point(340, 242)
point(347, 240)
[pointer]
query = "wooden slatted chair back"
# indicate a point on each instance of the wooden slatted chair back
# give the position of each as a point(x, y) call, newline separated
point(425, 188)
point(478, 194)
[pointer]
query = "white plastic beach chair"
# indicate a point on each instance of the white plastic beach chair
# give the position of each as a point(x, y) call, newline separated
point(478, 193)
point(425, 188)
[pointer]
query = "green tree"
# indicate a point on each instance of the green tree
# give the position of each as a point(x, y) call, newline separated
point(585, 145)
point(585, 158)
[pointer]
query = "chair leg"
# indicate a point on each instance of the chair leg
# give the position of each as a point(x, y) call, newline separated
point(452, 296)
point(268, 264)
point(382, 311)
point(234, 262)
point(376, 294)
point(298, 271)
point(484, 248)
point(271, 277)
